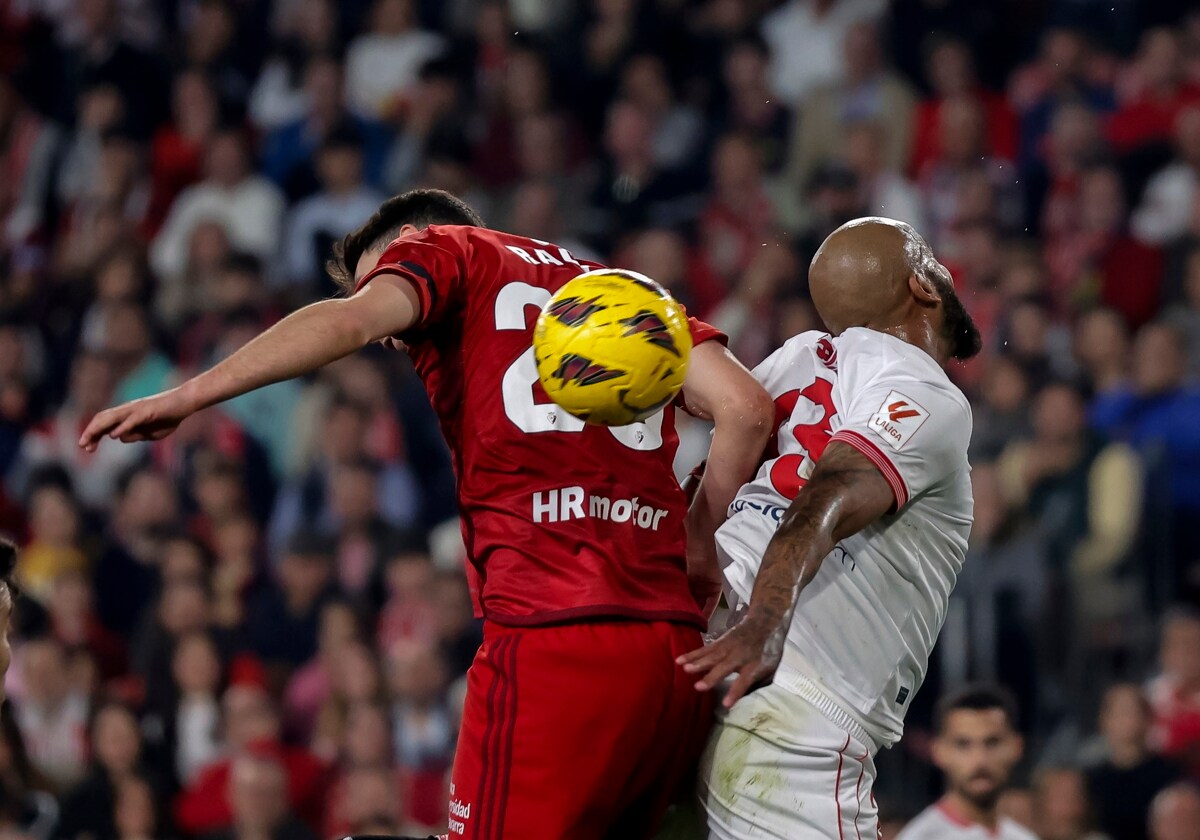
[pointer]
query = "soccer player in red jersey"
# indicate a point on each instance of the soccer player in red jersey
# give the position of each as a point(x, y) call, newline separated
point(577, 723)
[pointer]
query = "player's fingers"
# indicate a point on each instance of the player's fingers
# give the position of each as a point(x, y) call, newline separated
point(689, 660)
point(96, 429)
point(746, 679)
point(718, 672)
point(123, 429)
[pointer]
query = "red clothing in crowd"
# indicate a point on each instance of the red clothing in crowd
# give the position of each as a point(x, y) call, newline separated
point(1002, 135)
point(203, 806)
point(1176, 723)
point(1148, 119)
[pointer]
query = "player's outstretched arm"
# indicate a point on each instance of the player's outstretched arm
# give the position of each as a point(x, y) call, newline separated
point(718, 387)
point(302, 342)
point(846, 493)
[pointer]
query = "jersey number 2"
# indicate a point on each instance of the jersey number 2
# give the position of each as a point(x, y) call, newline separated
point(517, 385)
point(790, 472)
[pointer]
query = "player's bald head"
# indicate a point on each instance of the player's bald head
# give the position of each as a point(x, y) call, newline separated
point(875, 272)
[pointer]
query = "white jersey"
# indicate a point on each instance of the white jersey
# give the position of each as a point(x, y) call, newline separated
point(937, 823)
point(858, 647)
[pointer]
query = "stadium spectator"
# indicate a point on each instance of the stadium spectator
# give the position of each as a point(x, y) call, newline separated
point(343, 203)
point(258, 795)
point(92, 384)
point(382, 65)
point(177, 149)
point(1175, 814)
point(886, 191)
point(1166, 208)
point(29, 796)
point(247, 206)
point(963, 164)
point(251, 726)
point(950, 73)
point(867, 92)
point(89, 808)
point(289, 151)
point(52, 715)
point(737, 219)
point(1160, 93)
point(189, 712)
point(281, 623)
point(750, 108)
point(1174, 694)
point(1151, 414)
point(1130, 777)
point(1101, 349)
point(806, 38)
point(135, 812)
point(1061, 807)
point(311, 685)
point(302, 30)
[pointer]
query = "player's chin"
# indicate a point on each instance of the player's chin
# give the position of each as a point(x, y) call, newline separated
point(982, 791)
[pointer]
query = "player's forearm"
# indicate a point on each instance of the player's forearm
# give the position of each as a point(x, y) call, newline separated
point(733, 458)
point(794, 555)
point(301, 343)
point(845, 494)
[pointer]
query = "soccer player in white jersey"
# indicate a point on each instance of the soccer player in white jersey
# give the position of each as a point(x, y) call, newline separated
point(976, 748)
point(845, 546)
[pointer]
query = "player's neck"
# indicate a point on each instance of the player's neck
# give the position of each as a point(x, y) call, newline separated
point(920, 334)
point(962, 810)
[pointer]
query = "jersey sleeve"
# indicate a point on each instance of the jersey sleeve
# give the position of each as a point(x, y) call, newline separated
point(915, 433)
point(702, 332)
point(434, 261)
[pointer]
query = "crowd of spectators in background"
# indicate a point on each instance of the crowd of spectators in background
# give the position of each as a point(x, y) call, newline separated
point(259, 626)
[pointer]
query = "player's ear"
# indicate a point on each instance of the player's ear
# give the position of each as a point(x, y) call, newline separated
point(938, 752)
point(1018, 747)
point(407, 230)
point(923, 289)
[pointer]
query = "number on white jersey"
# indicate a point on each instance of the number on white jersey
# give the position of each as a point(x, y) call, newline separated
point(805, 441)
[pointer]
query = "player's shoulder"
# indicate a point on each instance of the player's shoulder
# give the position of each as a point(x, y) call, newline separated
point(1012, 830)
point(873, 358)
point(798, 345)
point(789, 354)
point(930, 824)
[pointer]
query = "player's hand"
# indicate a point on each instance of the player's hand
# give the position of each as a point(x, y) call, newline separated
point(752, 649)
point(152, 418)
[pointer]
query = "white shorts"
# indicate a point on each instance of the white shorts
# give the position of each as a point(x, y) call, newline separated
point(776, 767)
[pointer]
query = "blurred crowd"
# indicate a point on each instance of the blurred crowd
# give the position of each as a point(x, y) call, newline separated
point(258, 627)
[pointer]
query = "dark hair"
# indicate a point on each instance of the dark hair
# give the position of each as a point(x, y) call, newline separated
point(8, 561)
point(977, 697)
point(343, 136)
point(242, 262)
point(420, 208)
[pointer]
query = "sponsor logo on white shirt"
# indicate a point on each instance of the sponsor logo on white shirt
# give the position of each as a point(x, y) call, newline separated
point(897, 419)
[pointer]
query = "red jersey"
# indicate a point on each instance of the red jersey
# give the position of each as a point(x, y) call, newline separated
point(562, 520)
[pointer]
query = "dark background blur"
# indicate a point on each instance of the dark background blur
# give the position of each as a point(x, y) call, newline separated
point(258, 627)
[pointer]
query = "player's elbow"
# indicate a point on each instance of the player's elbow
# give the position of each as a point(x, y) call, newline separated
point(746, 408)
point(354, 324)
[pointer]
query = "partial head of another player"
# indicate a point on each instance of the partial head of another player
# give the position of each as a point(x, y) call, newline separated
point(400, 215)
point(8, 566)
point(977, 743)
point(880, 273)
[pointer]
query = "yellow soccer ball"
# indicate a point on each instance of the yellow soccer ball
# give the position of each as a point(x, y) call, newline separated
point(612, 347)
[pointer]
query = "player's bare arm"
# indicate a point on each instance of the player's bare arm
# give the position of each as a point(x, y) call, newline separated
point(301, 343)
point(719, 388)
point(846, 493)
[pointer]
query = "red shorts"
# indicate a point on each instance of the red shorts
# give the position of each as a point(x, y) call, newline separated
point(578, 731)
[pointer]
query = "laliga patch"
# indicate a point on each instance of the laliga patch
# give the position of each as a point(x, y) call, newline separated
point(897, 419)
